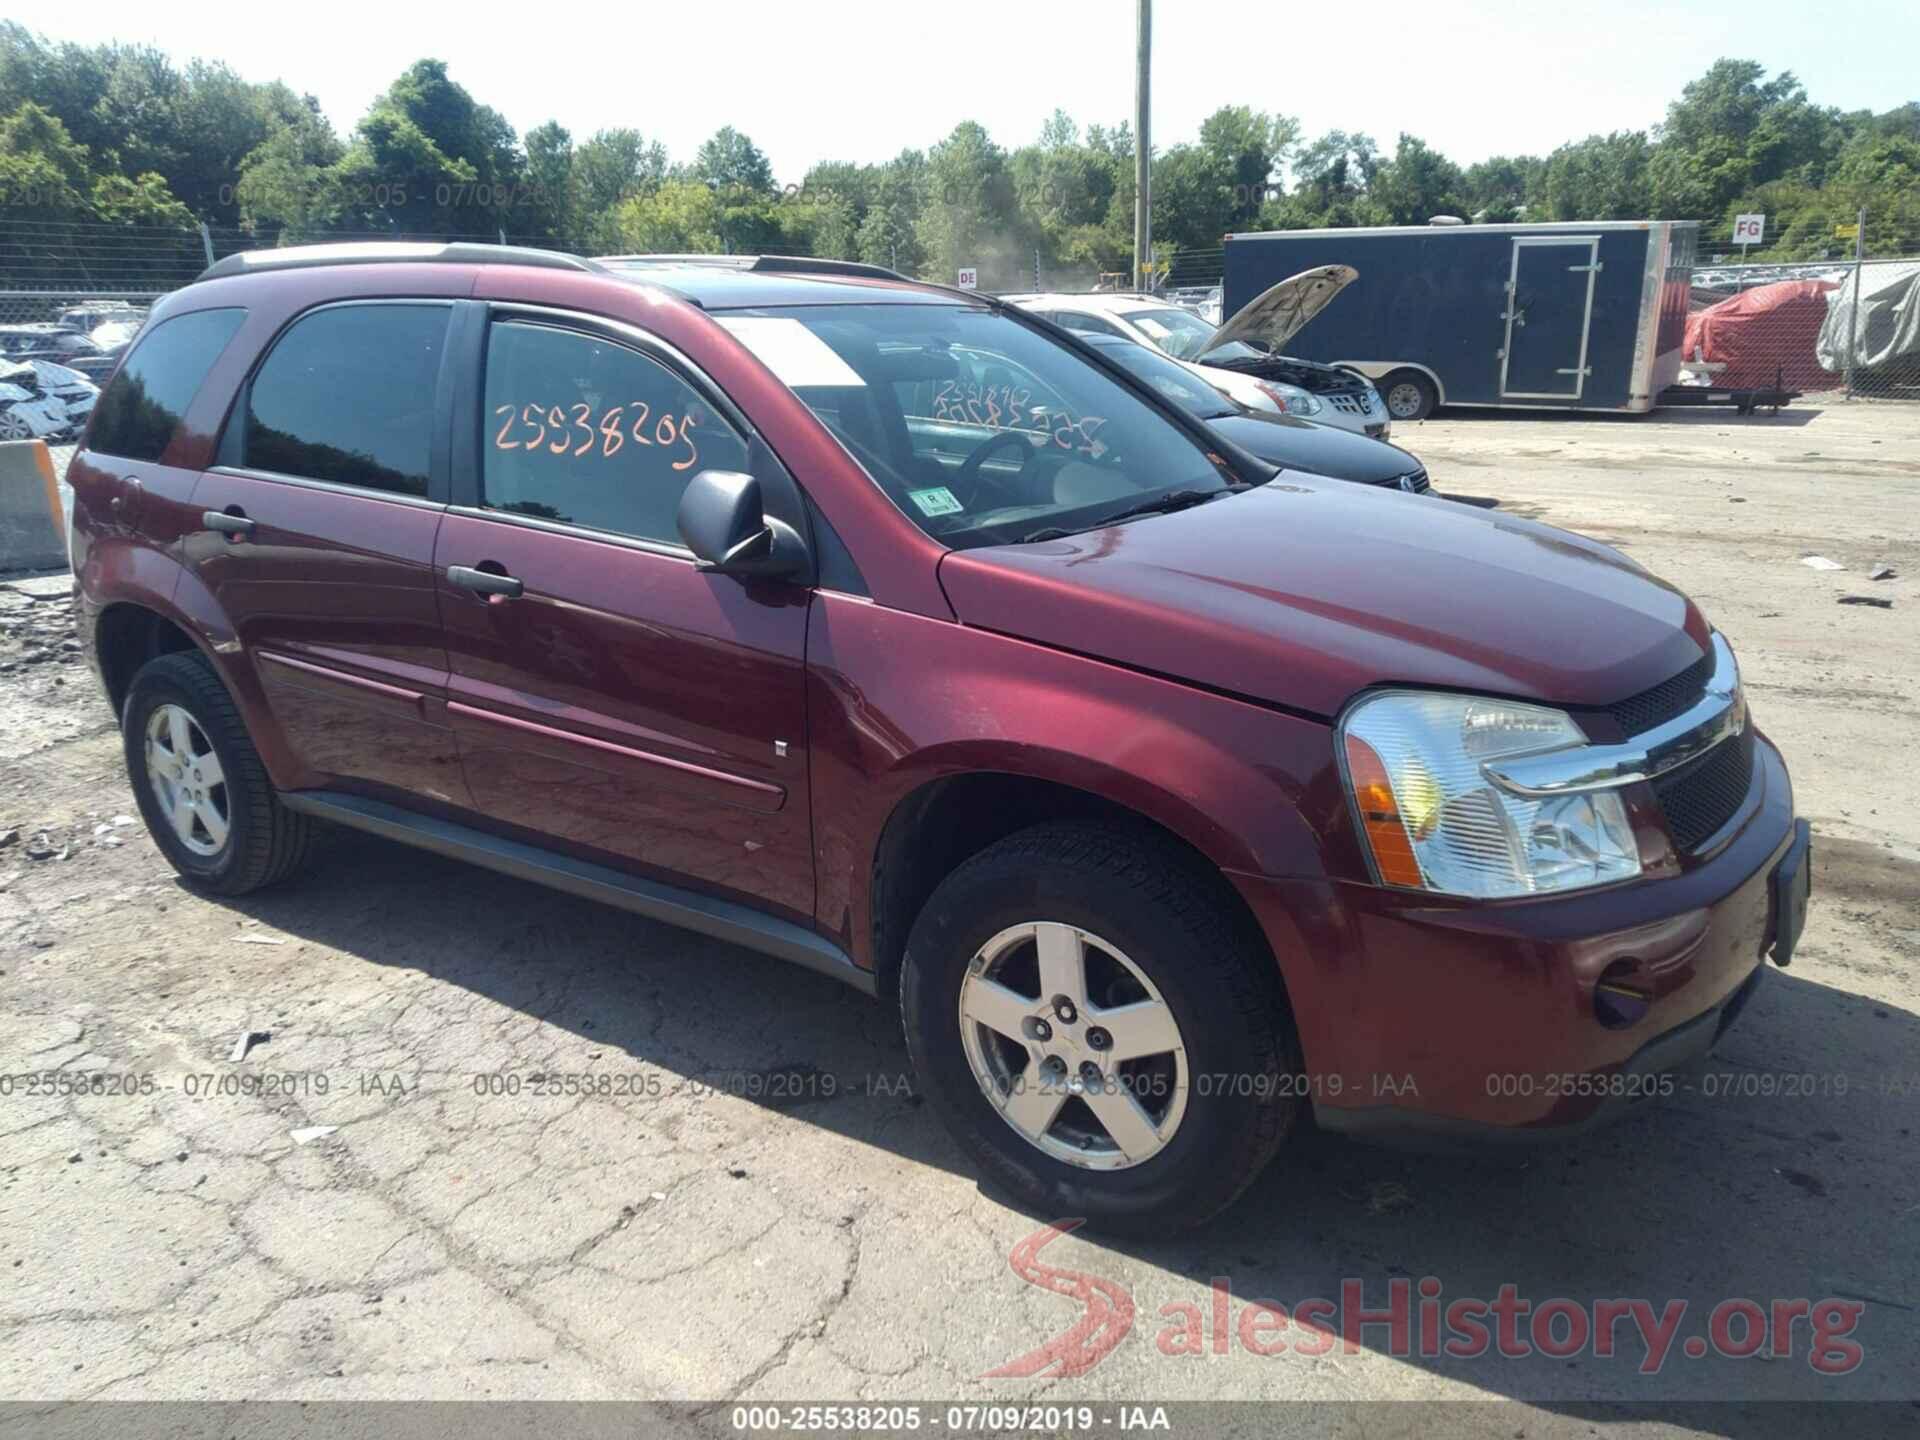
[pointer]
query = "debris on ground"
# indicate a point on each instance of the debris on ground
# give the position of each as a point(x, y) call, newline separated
point(260, 939)
point(307, 1134)
point(1873, 600)
point(245, 1043)
point(1882, 572)
point(1820, 562)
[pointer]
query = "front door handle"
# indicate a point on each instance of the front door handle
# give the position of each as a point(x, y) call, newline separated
point(228, 522)
point(485, 582)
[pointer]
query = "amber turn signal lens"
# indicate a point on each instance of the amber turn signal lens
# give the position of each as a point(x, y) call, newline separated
point(1380, 817)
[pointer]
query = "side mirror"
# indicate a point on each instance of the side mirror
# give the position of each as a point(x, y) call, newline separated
point(723, 522)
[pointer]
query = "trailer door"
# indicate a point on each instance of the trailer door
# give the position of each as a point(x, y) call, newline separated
point(1549, 305)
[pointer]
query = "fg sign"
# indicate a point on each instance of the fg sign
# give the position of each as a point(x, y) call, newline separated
point(1749, 229)
point(969, 279)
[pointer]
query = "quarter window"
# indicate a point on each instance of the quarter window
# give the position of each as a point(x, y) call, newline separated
point(347, 396)
point(588, 432)
point(141, 408)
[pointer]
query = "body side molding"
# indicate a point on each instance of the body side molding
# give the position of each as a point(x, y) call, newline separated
point(722, 919)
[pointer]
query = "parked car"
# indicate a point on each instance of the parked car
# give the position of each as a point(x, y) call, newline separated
point(1240, 357)
point(1167, 799)
point(61, 346)
point(27, 412)
point(1278, 439)
point(72, 389)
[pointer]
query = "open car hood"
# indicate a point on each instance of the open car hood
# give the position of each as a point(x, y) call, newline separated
point(1275, 317)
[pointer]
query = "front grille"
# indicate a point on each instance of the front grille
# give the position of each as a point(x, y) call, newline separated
point(1665, 700)
point(1700, 797)
point(1354, 403)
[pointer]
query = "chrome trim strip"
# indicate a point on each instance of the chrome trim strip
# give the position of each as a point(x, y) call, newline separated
point(1720, 715)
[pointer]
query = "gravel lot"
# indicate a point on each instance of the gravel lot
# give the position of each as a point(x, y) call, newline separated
point(758, 1207)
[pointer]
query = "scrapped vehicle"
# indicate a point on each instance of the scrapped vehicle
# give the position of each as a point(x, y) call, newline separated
point(1278, 439)
point(1883, 338)
point(61, 346)
point(29, 410)
point(1764, 336)
point(73, 390)
point(1240, 357)
point(1168, 798)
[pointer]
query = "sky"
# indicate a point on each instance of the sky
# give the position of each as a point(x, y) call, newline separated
point(858, 80)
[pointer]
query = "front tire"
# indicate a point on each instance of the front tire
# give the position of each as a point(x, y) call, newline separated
point(200, 784)
point(1101, 1032)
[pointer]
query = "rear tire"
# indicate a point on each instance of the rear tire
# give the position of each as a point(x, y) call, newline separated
point(1151, 928)
point(1408, 395)
point(200, 784)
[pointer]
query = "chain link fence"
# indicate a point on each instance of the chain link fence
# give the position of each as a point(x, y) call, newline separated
point(1827, 328)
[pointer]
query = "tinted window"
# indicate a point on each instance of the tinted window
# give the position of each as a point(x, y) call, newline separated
point(347, 396)
point(139, 411)
point(589, 432)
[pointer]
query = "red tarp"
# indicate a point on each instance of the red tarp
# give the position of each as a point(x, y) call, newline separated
point(1766, 331)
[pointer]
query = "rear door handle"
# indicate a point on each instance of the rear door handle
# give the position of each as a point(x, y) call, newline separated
point(485, 582)
point(228, 522)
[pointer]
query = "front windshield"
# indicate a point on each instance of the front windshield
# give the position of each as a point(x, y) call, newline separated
point(1171, 379)
point(982, 431)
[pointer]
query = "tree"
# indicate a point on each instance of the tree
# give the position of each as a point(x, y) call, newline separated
point(1417, 184)
point(969, 216)
point(730, 162)
point(1604, 177)
point(680, 217)
point(1253, 145)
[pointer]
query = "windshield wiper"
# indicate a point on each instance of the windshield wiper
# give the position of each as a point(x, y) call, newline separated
point(1161, 505)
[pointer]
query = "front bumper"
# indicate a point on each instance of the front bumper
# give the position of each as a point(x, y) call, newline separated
point(1425, 1017)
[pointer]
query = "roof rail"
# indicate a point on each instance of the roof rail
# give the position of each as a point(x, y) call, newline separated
point(760, 264)
point(391, 252)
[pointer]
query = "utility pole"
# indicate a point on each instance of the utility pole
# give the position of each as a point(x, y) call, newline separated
point(1143, 148)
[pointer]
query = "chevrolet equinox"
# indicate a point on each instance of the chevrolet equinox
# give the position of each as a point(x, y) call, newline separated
point(902, 635)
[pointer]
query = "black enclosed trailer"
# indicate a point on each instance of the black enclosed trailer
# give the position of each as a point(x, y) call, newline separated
point(1562, 316)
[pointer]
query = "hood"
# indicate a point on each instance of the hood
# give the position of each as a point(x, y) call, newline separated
point(1295, 444)
point(1282, 312)
point(1304, 591)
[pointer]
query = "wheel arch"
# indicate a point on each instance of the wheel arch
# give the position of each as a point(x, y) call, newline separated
point(947, 819)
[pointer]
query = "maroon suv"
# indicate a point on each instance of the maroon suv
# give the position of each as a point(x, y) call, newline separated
point(892, 631)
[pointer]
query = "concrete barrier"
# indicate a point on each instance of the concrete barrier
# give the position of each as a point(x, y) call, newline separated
point(33, 524)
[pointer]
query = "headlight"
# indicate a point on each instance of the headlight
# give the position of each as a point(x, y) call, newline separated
point(1432, 819)
point(1291, 399)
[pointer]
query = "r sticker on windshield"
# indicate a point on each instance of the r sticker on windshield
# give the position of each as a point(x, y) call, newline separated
point(793, 352)
point(937, 501)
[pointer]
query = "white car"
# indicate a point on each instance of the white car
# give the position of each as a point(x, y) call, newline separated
point(28, 408)
point(1240, 358)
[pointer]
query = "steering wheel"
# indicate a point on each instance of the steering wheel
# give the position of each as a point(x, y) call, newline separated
point(969, 470)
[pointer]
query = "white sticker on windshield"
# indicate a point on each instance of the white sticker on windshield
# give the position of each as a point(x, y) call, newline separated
point(937, 501)
point(793, 352)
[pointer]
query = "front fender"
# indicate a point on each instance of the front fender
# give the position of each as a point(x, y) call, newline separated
point(1253, 790)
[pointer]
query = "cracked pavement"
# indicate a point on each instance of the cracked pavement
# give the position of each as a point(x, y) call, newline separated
point(723, 1188)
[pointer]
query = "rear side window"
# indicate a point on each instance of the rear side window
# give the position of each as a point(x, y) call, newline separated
point(582, 430)
point(141, 408)
point(347, 396)
point(1086, 324)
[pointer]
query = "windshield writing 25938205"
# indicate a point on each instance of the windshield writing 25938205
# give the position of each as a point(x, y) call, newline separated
point(1006, 407)
point(575, 430)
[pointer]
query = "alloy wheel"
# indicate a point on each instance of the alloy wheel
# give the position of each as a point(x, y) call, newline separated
point(187, 780)
point(1073, 1046)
